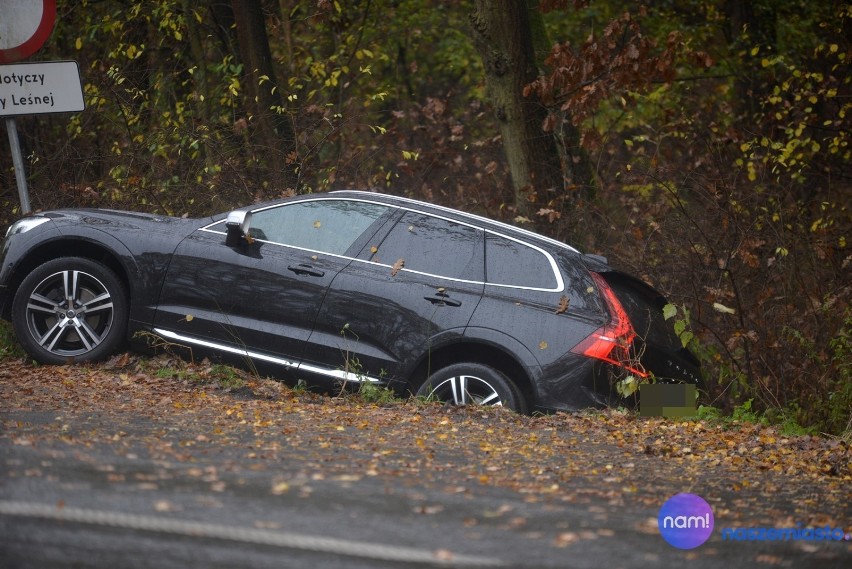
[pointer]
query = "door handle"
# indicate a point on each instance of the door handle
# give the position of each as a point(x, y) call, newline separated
point(306, 270)
point(443, 299)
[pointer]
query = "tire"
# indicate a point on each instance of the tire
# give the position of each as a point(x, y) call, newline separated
point(476, 384)
point(70, 310)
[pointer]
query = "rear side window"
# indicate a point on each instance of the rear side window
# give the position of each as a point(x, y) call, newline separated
point(435, 246)
point(512, 263)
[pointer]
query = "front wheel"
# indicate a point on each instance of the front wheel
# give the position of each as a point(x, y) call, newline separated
point(70, 309)
point(473, 384)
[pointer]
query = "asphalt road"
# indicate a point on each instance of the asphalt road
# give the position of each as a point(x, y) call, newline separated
point(157, 495)
point(90, 508)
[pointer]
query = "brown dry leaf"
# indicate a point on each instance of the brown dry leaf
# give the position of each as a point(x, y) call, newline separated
point(165, 506)
point(563, 305)
point(400, 263)
point(429, 510)
point(119, 361)
point(565, 539)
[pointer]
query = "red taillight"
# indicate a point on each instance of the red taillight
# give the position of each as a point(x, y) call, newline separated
point(611, 342)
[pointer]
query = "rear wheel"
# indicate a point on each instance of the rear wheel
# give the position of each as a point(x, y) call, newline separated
point(70, 309)
point(473, 384)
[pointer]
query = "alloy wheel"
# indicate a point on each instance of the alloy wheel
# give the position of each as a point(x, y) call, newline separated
point(69, 313)
point(466, 390)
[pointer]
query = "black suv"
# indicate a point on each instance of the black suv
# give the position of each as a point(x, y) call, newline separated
point(343, 287)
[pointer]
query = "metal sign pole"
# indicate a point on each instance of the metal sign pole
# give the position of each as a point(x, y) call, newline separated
point(18, 163)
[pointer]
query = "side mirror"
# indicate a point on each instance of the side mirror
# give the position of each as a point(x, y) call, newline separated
point(238, 224)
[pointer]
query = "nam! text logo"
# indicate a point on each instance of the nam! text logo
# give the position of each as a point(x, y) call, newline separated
point(685, 521)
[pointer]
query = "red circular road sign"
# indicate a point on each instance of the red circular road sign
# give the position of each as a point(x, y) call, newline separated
point(24, 27)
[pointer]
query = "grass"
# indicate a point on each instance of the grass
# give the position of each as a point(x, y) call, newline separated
point(224, 376)
point(785, 422)
point(376, 394)
point(9, 346)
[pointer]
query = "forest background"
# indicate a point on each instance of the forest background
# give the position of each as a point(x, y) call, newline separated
point(700, 144)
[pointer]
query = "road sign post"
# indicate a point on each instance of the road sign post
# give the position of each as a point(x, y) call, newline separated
point(18, 163)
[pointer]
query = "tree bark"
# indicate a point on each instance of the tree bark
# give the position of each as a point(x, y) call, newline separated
point(273, 128)
point(503, 37)
point(201, 102)
point(750, 26)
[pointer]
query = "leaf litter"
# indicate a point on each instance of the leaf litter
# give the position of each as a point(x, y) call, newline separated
point(753, 474)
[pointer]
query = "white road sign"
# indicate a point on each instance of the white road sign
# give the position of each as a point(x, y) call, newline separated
point(40, 87)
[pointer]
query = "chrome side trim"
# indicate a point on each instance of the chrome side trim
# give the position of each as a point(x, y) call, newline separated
point(340, 374)
point(334, 373)
point(560, 283)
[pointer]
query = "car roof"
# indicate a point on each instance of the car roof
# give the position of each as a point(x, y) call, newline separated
point(459, 214)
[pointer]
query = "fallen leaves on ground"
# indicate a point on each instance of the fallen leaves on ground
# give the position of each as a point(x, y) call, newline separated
point(752, 472)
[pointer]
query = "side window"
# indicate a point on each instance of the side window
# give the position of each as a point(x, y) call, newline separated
point(433, 245)
point(512, 263)
point(328, 226)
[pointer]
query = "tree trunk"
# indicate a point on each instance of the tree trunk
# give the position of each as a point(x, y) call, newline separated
point(578, 178)
point(750, 26)
point(201, 101)
point(286, 7)
point(273, 128)
point(503, 37)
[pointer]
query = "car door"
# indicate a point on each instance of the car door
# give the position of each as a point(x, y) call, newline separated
point(260, 298)
point(415, 289)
